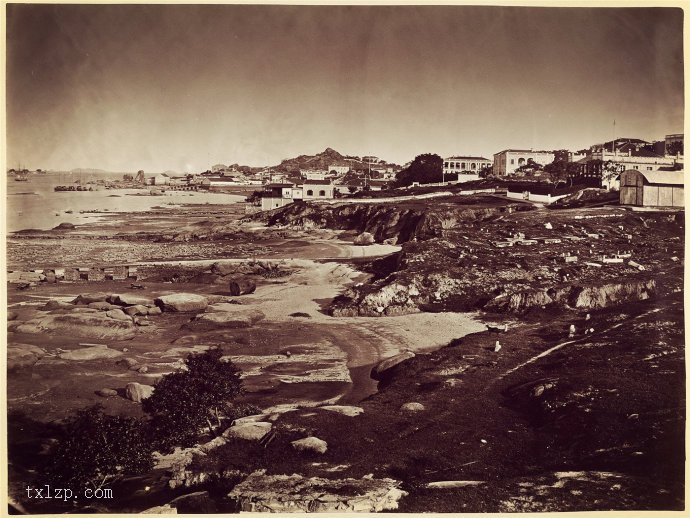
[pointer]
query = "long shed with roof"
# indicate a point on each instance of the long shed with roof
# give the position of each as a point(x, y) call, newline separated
point(652, 188)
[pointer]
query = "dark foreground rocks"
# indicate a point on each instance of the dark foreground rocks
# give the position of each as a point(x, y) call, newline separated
point(295, 493)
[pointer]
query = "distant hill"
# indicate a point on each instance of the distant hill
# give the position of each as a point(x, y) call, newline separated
point(322, 161)
point(319, 161)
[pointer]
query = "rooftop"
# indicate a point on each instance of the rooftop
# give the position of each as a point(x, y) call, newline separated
point(522, 151)
point(467, 158)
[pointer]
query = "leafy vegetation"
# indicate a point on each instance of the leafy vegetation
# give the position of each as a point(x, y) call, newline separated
point(96, 449)
point(186, 401)
point(426, 168)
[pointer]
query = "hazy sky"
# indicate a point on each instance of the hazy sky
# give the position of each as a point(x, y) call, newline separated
point(127, 87)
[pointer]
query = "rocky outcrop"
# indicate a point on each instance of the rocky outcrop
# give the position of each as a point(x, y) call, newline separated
point(137, 392)
point(88, 298)
point(127, 299)
point(311, 445)
point(379, 371)
point(386, 221)
point(248, 431)
point(350, 411)
point(182, 303)
point(365, 238)
point(90, 353)
point(241, 286)
point(80, 325)
point(295, 493)
point(593, 297)
point(23, 355)
point(581, 297)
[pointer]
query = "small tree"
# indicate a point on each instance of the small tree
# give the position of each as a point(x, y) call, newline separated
point(96, 449)
point(187, 400)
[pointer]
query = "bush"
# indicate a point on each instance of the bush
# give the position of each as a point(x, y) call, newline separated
point(96, 449)
point(186, 401)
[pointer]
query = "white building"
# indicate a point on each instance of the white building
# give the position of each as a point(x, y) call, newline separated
point(466, 167)
point(508, 161)
point(280, 194)
point(338, 169)
point(313, 174)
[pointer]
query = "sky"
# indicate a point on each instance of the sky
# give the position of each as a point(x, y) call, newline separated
point(180, 87)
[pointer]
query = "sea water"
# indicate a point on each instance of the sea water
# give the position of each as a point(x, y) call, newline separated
point(36, 205)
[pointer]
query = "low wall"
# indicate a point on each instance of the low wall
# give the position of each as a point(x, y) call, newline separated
point(538, 198)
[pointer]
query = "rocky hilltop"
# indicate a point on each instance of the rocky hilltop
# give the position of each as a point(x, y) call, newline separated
point(484, 252)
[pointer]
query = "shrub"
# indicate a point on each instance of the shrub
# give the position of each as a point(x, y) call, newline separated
point(96, 449)
point(187, 400)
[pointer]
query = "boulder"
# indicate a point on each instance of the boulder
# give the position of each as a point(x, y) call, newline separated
point(241, 286)
point(294, 493)
point(182, 302)
point(155, 310)
point(127, 299)
point(137, 392)
point(136, 310)
point(106, 392)
point(53, 305)
point(102, 306)
point(81, 309)
point(226, 319)
point(310, 444)
point(380, 370)
point(412, 407)
point(11, 315)
point(213, 444)
point(23, 355)
point(79, 325)
point(118, 314)
point(248, 431)
point(88, 298)
point(250, 419)
point(90, 353)
point(350, 411)
point(365, 238)
point(127, 363)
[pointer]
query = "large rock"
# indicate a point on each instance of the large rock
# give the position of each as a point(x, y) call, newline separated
point(350, 411)
point(136, 391)
point(88, 298)
point(106, 392)
point(227, 319)
point(53, 305)
point(241, 286)
point(310, 444)
point(136, 310)
point(90, 353)
point(412, 407)
point(365, 238)
point(248, 431)
point(127, 299)
point(295, 493)
point(182, 302)
point(79, 325)
point(102, 306)
point(379, 370)
point(23, 355)
point(118, 314)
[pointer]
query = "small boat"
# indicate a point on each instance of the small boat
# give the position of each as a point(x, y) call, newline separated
point(68, 212)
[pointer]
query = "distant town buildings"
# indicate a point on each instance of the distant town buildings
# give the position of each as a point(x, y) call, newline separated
point(508, 161)
point(673, 144)
point(466, 167)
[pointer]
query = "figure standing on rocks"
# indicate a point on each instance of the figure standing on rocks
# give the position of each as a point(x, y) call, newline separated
point(571, 332)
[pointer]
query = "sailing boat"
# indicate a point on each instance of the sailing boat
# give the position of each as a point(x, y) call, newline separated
point(20, 175)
